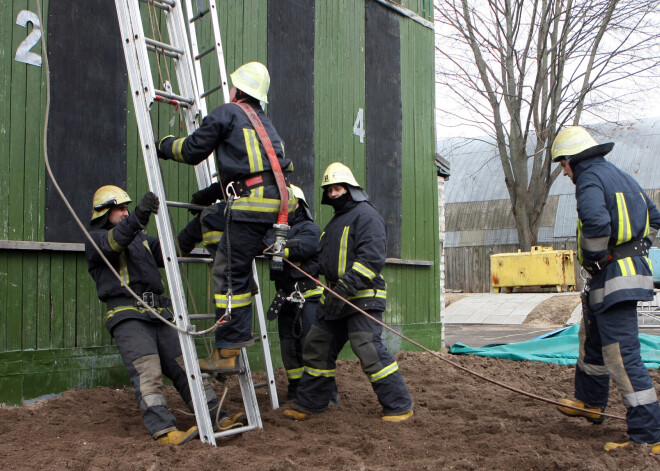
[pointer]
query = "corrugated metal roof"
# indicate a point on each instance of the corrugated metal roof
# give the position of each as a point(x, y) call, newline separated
point(476, 170)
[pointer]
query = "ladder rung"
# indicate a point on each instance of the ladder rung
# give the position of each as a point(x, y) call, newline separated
point(261, 385)
point(172, 97)
point(204, 53)
point(177, 204)
point(235, 431)
point(213, 90)
point(162, 4)
point(197, 317)
point(163, 46)
point(199, 15)
point(173, 55)
point(195, 260)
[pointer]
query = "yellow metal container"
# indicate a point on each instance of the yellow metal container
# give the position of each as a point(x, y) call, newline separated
point(543, 266)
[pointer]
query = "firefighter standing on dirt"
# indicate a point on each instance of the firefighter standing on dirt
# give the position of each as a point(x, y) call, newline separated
point(616, 224)
point(147, 345)
point(297, 296)
point(353, 247)
point(248, 176)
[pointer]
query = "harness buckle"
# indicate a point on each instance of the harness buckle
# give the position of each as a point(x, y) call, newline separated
point(231, 191)
point(148, 298)
point(296, 296)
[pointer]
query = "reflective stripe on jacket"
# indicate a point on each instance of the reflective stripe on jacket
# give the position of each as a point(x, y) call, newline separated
point(613, 210)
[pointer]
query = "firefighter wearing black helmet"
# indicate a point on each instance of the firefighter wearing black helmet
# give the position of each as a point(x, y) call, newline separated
point(353, 246)
point(616, 225)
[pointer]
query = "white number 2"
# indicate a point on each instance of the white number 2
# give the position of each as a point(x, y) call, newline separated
point(358, 125)
point(23, 53)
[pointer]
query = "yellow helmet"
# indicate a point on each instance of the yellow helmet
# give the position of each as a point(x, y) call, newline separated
point(571, 141)
point(106, 197)
point(298, 193)
point(252, 78)
point(338, 173)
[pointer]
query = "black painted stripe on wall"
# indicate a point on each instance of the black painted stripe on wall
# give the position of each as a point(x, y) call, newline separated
point(291, 95)
point(87, 121)
point(383, 118)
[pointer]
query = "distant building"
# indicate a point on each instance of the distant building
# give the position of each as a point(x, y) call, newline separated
point(479, 221)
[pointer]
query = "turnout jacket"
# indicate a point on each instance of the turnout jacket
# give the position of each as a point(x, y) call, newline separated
point(306, 256)
point(353, 247)
point(613, 210)
point(240, 155)
point(135, 255)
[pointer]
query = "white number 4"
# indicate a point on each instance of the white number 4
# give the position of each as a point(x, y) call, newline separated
point(358, 126)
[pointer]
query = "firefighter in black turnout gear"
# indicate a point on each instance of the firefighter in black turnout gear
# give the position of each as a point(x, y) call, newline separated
point(616, 225)
point(297, 296)
point(353, 247)
point(248, 179)
point(148, 346)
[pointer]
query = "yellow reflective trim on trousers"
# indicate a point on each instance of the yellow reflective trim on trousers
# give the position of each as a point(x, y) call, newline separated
point(253, 151)
point(363, 270)
point(114, 245)
point(177, 145)
point(384, 373)
point(211, 237)
point(313, 292)
point(579, 242)
point(123, 268)
point(343, 249)
point(649, 262)
point(319, 373)
point(624, 220)
point(627, 267)
point(295, 373)
point(370, 293)
point(237, 300)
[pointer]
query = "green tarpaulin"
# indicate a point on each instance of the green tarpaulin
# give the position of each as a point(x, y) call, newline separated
point(560, 347)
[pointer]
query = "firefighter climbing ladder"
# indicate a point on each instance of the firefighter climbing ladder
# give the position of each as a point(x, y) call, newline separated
point(192, 101)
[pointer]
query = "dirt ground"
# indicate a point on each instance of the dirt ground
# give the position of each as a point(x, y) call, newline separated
point(461, 422)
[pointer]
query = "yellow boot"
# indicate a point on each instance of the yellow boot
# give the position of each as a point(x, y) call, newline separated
point(224, 360)
point(237, 420)
point(594, 417)
point(295, 414)
point(398, 418)
point(177, 437)
point(609, 446)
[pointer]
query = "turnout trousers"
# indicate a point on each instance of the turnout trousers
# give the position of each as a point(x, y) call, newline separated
point(323, 343)
point(609, 347)
point(149, 349)
point(293, 324)
point(239, 246)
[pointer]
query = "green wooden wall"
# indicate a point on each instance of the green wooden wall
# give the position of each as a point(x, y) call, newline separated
point(51, 332)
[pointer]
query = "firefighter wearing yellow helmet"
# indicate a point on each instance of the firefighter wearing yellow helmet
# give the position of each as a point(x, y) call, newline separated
point(148, 347)
point(353, 248)
point(247, 173)
point(616, 224)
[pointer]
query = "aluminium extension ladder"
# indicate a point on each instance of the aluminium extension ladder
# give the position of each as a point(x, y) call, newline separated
point(191, 98)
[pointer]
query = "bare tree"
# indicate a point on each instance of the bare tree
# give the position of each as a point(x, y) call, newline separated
point(522, 69)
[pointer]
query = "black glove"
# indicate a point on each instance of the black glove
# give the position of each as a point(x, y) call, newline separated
point(332, 305)
point(160, 146)
point(147, 205)
point(206, 196)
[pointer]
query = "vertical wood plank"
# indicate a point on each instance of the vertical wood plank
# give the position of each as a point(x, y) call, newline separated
point(4, 296)
point(57, 290)
point(83, 314)
point(6, 31)
point(69, 302)
point(43, 296)
point(14, 300)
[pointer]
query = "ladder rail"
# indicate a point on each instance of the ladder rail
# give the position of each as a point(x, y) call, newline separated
point(133, 41)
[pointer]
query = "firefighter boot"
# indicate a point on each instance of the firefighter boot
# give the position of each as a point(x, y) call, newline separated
point(237, 420)
point(398, 417)
point(177, 437)
point(224, 360)
point(295, 414)
point(609, 446)
point(593, 417)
